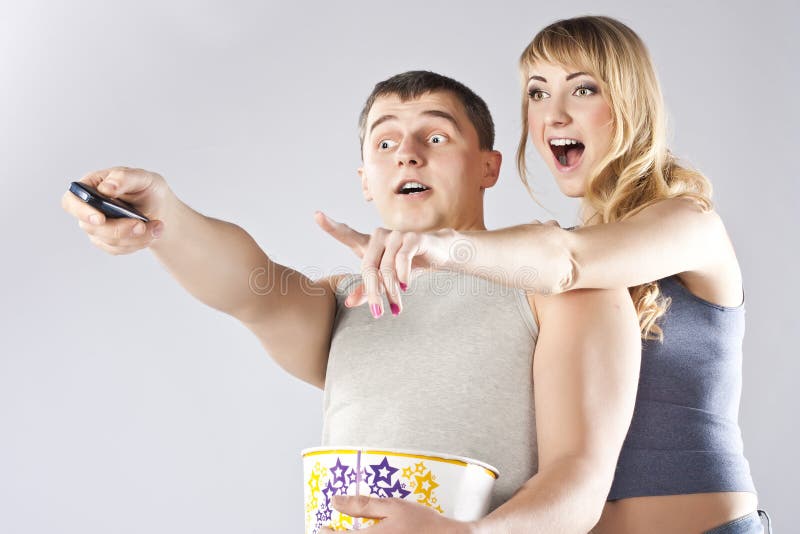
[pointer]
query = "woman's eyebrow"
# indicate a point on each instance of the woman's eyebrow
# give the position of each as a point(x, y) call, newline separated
point(568, 78)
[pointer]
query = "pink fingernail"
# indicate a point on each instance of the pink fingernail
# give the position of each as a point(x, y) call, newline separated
point(395, 308)
point(403, 286)
point(377, 310)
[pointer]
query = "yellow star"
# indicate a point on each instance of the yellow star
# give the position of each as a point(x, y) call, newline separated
point(313, 482)
point(425, 485)
point(342, 522)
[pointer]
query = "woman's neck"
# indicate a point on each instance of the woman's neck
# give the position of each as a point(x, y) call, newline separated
point(589, 214)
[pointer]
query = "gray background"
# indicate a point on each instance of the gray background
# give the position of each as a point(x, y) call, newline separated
point(127, 406)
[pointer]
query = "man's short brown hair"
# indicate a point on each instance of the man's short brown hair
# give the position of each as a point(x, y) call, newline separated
point(414, 83)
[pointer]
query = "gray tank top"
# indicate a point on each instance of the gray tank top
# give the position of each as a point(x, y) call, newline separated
point(451, 374)
point(685, 437)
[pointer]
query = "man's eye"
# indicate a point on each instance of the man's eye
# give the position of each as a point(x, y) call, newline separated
point(386, 144)
point(438, 138)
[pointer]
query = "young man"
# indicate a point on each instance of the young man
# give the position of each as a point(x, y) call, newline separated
point(455, 372)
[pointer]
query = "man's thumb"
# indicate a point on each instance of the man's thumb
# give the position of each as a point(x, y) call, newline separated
point(108, 187)
point(121, 180)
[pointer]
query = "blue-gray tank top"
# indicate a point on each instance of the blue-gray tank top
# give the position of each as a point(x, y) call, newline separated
point(685, 437)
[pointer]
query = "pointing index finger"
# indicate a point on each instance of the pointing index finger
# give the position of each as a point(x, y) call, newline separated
point(343, 233)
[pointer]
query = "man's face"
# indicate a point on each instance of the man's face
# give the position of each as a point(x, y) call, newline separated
point(423, 165)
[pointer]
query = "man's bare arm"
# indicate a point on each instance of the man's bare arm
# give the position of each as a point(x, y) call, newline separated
point(221, 265)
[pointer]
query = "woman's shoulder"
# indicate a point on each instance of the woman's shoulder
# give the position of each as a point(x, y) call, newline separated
point(720, 281)
point(684, 207)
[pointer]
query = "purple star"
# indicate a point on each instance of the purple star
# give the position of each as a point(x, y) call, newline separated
point(323, 516)
point(327, 491)
point(383, 472)
point(339, 471)
point(397, 491)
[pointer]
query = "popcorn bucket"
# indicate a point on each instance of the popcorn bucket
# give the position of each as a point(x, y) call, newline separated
point(455, 486)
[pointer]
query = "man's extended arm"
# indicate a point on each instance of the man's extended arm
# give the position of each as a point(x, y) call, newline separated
point(221, 265)
point(218, 263)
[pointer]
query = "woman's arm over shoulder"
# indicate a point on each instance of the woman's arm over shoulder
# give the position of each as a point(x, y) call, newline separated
point(673, 236)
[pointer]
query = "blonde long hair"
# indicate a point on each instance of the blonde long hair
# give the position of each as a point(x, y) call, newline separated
point(638, 170)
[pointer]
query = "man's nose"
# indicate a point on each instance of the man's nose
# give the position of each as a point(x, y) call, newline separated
point(409, 153)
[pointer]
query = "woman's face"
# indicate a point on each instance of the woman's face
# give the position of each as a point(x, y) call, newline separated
point(569, 122)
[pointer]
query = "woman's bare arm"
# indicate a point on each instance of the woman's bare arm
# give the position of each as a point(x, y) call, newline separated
point(674, 236)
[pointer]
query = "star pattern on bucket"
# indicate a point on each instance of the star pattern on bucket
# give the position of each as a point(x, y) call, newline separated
point(338, 471)
point(383, 471)
point(424, 488)
point(383, 479)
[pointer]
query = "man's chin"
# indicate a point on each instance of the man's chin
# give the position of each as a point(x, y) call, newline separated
point(417, 224)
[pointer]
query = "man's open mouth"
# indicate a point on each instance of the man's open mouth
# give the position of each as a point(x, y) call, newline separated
point(412, 188)
point(567, 151)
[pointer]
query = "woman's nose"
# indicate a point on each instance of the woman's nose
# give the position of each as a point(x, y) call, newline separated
point(556, 114)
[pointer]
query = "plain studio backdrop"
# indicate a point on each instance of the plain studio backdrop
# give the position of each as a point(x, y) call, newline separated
point(127, 406)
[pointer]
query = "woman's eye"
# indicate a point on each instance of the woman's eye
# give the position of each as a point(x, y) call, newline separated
point(386, 144)
point(585, 91)
point(436, 139)
point(536, 94)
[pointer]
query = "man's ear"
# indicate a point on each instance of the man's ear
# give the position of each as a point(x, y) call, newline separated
point(491, 168)
point(364, 185)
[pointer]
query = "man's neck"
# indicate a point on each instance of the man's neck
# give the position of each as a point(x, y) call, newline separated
point(478, 225)
point(460, 227)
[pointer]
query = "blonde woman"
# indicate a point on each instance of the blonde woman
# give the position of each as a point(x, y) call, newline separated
point(593, 109)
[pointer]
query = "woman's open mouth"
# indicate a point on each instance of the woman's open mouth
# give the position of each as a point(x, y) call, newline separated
point(567, 152)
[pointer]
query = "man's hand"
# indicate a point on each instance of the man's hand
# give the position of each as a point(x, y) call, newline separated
point(146, 191)
point(398, 516)
point(387, 259)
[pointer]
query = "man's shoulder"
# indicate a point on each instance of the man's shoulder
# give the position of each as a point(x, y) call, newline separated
point(335, 281)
